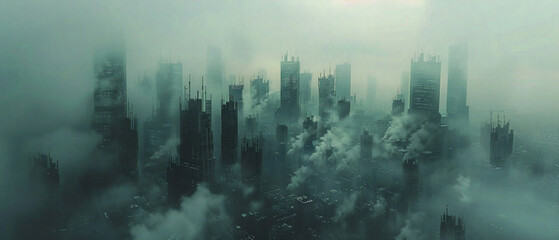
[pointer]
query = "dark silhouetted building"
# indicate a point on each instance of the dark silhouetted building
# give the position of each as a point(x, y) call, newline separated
point(306, 79)
point(343, 80)
point(366, 146)
point(251, 125)
point(251, 162)
point(501, 144)
point(310, 126)
point(236, 94)
point(425, 81)
point(112, 119)
point(229, 133)
point(326, 96)
point(45, 171)
point(410, 173)
point(344, 107)
point(196, 157)
point(458, 111)
point(405, 88)
point(397, 107)
point(259, 89)
point(452, 228)
point(290, 80)
point(282, 141)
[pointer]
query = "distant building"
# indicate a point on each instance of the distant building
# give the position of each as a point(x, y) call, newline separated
point(282, 141)
point(251, 125)
point(229, 133)
point(458, 111)
point(236, 94)
point(452, 228)
point(290, 82)
point(45, 171)
point(310, 125)
point(306, 79)
point(410, 194)
point(425, 81)
point(501, 144)
point(343, 81)
point(259, 89)
point(366, 146)
point(168, 81)
point(215, 70)
point(397, 107)
point(326, 96)
point(251, 162)
point(405, 88)
point(344, 107)
point(112, 118)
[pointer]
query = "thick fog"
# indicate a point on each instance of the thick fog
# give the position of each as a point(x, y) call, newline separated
point(47, 50)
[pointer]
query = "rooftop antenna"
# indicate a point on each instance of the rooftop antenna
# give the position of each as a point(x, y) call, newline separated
point(189, 86)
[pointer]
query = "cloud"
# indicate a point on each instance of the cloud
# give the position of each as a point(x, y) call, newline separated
point(199, 217)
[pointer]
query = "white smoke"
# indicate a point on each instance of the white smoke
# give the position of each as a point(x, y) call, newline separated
point(201, 215)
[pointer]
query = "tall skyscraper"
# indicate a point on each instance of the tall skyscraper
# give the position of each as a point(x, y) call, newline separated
point(366, 146)
point(310, 126)
point(251, 162)
point(410, 194)
point(405, 88)
point(344, 107)
point(501, 144)
point(306, 79)
point(343, 81)
point(169, 85)
point(236, 95)
point(326, 96)
point(229, 133)
point(452, 228)
point(259, 89)
point(290, 76)
point(196, 156)
point(425, 83)
point(112, 118)
point(282, 141)
point(458, 111)
point(215, 70)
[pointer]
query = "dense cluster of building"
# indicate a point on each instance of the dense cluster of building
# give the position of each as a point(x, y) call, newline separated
point(256, 161)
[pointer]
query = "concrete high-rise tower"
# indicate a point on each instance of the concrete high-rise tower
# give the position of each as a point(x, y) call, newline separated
point(343, 81)
point(168, 81)
point(425, 83)
point(326, 96)
point(306, 79)
point(458, 111)
point(290, 80)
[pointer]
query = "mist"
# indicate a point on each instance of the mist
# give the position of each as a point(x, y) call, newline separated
point(47, 82)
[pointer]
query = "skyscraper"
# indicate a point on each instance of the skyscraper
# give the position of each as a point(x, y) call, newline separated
point(251, 162)
point(458, 111)
point(405, 88)
point(326, 96)
point(343, 81)
point(229, 133)
point(425, 81)
point(236, 95)
point(366, 146)
point(290, 77)
point(168, 82)
point(259, 89)
point(344, 107)
point(452, 228)
point(306, 79)
point(501, 144)
point(112, 118)
point(215, 72)
point(196, 156)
